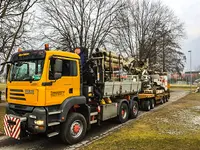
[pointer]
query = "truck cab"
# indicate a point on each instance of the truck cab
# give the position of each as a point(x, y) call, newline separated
point(33, 73)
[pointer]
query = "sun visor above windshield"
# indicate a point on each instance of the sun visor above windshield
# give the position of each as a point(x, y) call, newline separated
point(28, 55)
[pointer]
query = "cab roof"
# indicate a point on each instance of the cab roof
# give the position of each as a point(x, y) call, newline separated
point(40, 54)
point(63, 53)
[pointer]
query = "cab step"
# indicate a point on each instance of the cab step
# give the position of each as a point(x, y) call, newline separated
point(53, 124)
point(93, 121)
point(93, 113)
point(52, 134)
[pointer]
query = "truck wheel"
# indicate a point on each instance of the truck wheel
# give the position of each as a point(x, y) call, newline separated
point(73, 129)
point(147, 105)
point(162, 100)
point(123, 113)
point(134, 110)
point(166, 99)
point(152, 103)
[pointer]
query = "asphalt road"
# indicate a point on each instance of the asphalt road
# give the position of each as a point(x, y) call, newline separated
point(41, 142)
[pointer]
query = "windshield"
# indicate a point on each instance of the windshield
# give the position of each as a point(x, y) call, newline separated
point(30, 70)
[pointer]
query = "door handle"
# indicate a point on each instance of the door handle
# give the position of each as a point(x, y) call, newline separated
point(71, 90)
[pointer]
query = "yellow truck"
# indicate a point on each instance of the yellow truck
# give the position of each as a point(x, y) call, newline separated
point(64, 93)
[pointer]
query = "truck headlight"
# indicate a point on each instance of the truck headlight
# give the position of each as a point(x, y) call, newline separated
point(39, 122)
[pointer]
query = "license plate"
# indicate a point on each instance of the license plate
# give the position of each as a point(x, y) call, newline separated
point(12, 126)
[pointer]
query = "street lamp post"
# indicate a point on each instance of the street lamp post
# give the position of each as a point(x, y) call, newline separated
point(190, 70)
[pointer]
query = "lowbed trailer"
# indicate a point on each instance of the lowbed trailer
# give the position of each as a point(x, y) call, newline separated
point(64, 93)
point(148, 101)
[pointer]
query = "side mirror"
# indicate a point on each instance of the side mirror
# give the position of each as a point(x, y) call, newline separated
point(57, 76)
point(58, 66)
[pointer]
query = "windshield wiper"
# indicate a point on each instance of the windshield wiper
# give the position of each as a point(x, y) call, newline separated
point(31, 79)
point(28, 79)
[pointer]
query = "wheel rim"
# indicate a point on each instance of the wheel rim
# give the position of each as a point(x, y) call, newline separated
point(135, 110)
point(76, 128)
point(124, 113)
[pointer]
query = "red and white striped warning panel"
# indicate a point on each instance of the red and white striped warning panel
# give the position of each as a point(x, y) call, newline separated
point(12, 126)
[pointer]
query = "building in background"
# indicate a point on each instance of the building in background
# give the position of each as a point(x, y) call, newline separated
point(184, 78)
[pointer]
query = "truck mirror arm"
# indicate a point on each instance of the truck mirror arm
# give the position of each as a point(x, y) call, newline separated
point(6, 63)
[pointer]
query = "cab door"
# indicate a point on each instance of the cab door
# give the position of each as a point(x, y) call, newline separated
point(67, 86)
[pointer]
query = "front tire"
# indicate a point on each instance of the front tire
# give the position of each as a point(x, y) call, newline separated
point(73, 130)
point(123, 113)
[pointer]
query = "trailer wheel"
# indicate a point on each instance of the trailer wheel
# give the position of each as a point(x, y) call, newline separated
point(162, 100)
point(73, 129)
point(123, 113)
point(134, 110)
point(168, 96)
point(147, 105)
point(167, 100)
point(152, 103)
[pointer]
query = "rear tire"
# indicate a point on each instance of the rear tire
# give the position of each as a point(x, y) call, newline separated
point(73, 130)
point(167, 100)
point(123, 113)
point(152, 103)
point(134, 110)
point(147, 105)
point(162, 100)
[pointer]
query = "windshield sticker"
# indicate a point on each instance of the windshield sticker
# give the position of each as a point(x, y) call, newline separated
point(36, 77)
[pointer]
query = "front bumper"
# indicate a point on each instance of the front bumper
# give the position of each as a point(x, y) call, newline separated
point(22, 120)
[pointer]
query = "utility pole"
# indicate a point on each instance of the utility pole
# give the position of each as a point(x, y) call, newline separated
point(190, 71)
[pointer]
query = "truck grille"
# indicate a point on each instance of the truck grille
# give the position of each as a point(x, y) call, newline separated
point(17, 94)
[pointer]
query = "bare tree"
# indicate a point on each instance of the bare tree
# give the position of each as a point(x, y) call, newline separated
point(122, 38)
point(80, 23)
point(14, 18)
point(150, 30)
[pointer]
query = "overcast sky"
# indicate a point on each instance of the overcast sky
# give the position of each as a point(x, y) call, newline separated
point(189, 13)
